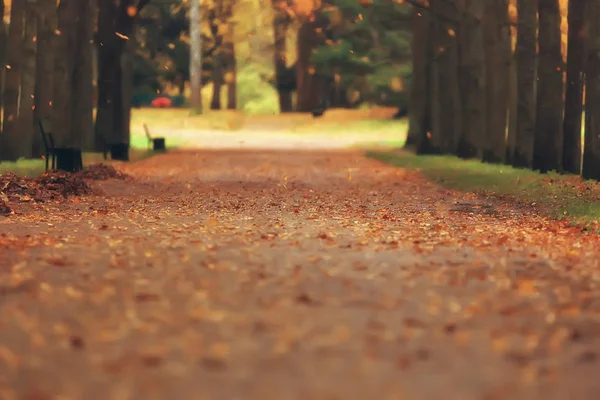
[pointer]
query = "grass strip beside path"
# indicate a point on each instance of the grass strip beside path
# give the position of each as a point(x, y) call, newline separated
point(557, 196)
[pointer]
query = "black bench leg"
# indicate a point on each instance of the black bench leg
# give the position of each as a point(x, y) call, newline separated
point(47, 160)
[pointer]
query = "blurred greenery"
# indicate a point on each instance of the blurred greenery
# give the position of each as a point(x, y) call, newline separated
point(559, 196)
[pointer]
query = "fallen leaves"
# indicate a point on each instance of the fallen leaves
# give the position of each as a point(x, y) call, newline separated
point(218, 268)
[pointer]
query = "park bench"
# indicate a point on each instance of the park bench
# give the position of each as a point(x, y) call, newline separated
point(158, 143)
point(61, 158)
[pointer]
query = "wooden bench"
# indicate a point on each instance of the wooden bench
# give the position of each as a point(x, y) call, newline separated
point(158, 143)
point(62, 158)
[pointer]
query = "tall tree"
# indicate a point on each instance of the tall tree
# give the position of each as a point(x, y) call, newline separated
point(513, 106)
point(574, 88)
point(83, 88)
point(195, 57)
point(497, 63)
point(12, 145)
point(217, 80)
point(281, 22)
point(591, 149)
point(115, 26)
point(448, 118)
point(44, 80)
point(473, 84)
point(217, 21)
point(309, 88)
point(26, 116)
point(64, 68)
point(231, 75)
point(547, 150)
point(525, 58)
point(2, 55)
point(418, 124)
point(126, 80)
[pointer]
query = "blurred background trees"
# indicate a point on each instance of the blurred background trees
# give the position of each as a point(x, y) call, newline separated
point(484, 80)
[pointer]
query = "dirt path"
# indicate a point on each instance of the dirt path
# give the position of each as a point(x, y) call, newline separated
point(293, 275)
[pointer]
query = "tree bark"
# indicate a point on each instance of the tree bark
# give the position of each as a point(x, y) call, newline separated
point(217, 80)
point(434, 134)
point(418, 90)
point(574, 89)
point(526, 59)
point(65, 68)
point(281, 23)
point(513, 100)
point(2, 59)
point(126, 86)
point(547, 150)
point(11, 143)
point(473, 81)
point(497, 64)
point(104, 134)
point(26, 118)
point(427, 143)
point(44, 80)
point(195, 57)
point(591, 149)
point(232, 76)
point(115, 27)
point(83, 107)
point(448, 91)
point(308, 88)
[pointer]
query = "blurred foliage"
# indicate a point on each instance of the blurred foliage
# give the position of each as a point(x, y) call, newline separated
point(368, 45)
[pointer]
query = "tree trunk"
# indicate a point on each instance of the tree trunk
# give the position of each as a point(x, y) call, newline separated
point(2, 58)
point(195, 57)
point(281, 23)
point(232, 77)
point(418, 89)
point(591, 149)
point(104, 134)
point(497, 60)
point(427, 143)
point(44, 80)
point(473, 81)
point(83, 108)
point(547, 149)
point(574, 90)
point(11, 142)
point(513, 99)
point(26, 118)
point(448, 91)
point(217, 80)
point(434, 134)
point(308, 88)
point(526, 60)
point(65, 67)
point(127, 88)
point(110, 48)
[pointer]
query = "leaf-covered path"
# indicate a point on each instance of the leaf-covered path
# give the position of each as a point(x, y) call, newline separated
point(293, 275)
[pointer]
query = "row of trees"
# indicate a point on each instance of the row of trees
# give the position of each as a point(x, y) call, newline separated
point(344, 52)
point(76, 64)
point(498, 88)
point(348, 52)
point(50, 51)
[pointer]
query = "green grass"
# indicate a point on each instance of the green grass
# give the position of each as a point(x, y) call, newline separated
point(559, 196)
point(35, 167)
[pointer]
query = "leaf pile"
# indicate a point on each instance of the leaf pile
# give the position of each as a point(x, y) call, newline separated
point(64, 184)
point(101, 172)
point(45, 187)
point(4, 208)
